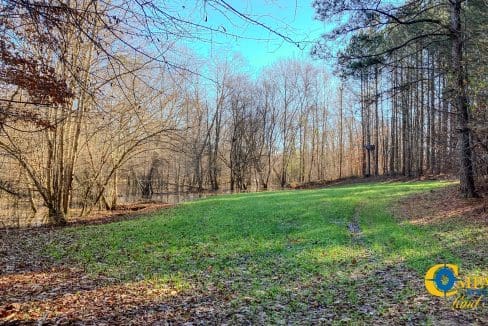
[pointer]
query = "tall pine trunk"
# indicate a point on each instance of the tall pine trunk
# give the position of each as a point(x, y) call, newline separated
point(466, 172)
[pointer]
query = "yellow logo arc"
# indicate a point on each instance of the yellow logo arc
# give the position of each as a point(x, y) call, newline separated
point(440, 280)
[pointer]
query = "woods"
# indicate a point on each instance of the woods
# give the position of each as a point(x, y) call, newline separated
point(103, 103)
point(128, 127)
point(419, 85)
point(224, 162)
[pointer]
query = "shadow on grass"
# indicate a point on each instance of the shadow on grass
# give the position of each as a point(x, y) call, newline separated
point(265, 251)
point(366, 291)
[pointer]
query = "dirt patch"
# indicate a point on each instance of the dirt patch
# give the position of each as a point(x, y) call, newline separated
point(442, 205)
point(354, 228)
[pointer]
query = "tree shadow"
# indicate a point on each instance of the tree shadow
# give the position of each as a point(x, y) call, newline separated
point(222, 262)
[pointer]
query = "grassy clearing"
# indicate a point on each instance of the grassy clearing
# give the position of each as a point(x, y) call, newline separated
point(279, 255)
point(297, 231)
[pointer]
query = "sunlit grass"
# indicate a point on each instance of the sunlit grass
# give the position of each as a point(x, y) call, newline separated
point(263, 245)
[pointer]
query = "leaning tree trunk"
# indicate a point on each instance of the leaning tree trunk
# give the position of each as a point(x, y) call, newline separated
point(461, 103)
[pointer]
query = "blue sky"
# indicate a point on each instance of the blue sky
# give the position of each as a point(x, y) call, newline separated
point(257, 46)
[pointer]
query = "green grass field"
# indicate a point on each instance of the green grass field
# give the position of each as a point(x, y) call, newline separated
point(283, 255)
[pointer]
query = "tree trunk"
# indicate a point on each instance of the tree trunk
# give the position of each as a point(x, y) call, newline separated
point(56, 216)
point(466, 172)
point(376, 123)
point(341, 145)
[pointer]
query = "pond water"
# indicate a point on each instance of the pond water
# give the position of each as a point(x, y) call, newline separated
point(21, 215)
point(176, 198)
point(179, 197)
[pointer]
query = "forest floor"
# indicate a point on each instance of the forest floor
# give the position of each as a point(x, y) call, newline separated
point(353, 253)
